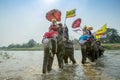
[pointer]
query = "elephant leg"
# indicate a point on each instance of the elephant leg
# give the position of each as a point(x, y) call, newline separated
point(71, 56)
point(96, 52)
point(101, 50)
point(60, 60)
point(50, 63)
point(72, 59)
point(96, 55)
point(65, 58)
point(84, 55)
point(45, 60)
point(93, 54)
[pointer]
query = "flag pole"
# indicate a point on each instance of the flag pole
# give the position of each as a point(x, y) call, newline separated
point(65, 21)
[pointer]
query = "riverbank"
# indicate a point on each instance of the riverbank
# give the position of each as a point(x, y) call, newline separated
point(76, 47)
point(25, 49)
point(115, 46)
point(112, 46)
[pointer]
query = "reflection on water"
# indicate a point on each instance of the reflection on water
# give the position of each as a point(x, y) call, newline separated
point(27, 65)
point(70, 72)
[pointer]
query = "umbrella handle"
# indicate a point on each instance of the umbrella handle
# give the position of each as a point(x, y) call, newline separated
point(65, 21)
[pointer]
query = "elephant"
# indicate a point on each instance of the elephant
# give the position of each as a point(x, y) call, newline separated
point(69, 52)
point(101, 49)
point(54, 46)
point(57, 45)
point(89, 49)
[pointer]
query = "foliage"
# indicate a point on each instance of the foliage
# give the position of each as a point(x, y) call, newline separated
point(112, 36)
point(111, 46)
point(31, 43)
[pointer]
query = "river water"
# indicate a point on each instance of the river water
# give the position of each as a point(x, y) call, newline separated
point(27, 65)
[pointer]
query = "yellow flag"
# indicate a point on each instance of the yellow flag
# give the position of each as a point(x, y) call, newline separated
point(70, 13)
point(101, 36)
point(97, 37)
point(102, 30)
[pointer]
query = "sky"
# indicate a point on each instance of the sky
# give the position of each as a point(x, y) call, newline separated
point(22, 20)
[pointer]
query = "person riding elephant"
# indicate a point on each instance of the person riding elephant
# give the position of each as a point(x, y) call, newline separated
point(66, 35)
point(54, 46)
point(88, 46)
point(53, 26)
point(87, 51)
point(58, 47)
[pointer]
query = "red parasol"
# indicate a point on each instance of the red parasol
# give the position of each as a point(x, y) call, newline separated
point(50, 34)
point(53, 14)
point(76, 23)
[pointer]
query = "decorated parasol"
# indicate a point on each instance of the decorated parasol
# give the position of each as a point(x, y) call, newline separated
point(53, 14)
point(76, 23)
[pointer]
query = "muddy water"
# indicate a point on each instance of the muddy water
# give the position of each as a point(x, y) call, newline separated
point(27, 65)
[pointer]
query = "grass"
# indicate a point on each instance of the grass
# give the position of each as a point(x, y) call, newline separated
point(76, 47)
point(115, 46)
point(112, 46)
point(26, 49)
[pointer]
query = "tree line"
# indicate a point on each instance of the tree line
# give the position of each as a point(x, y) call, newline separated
point(112, 37)
point(31, 43)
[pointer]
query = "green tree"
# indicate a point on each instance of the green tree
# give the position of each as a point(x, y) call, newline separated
point(24, 45)
point(11, 46)
point(112, 36)
point(17, 45)
point(31, 43)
